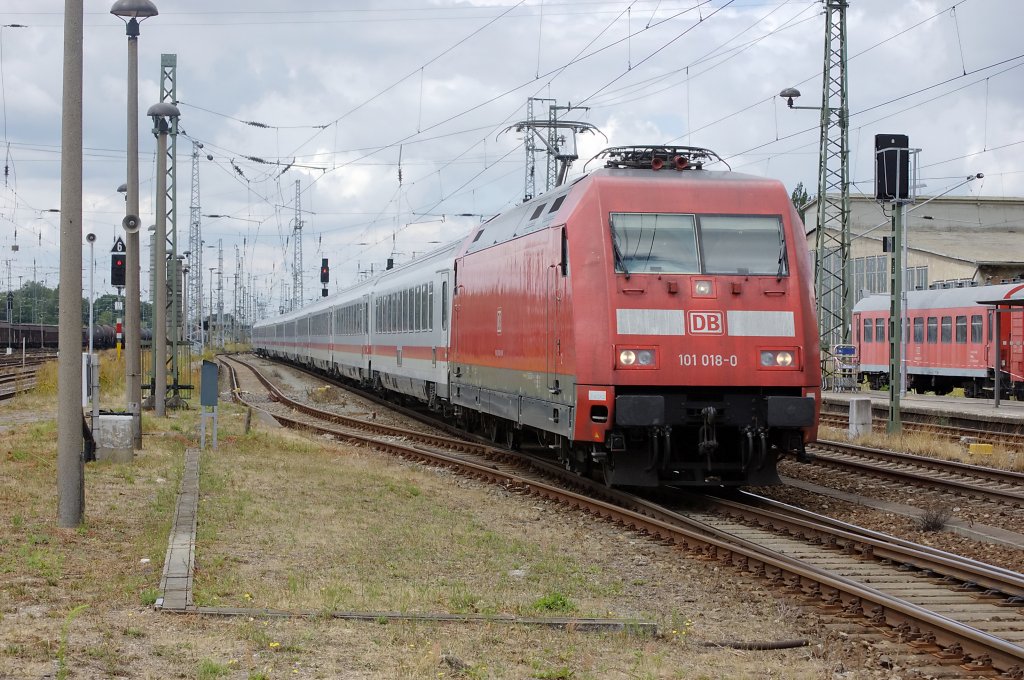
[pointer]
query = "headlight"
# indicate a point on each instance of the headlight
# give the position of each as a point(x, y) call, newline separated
point(776, 358)
point(702, 288)
point(638, 357)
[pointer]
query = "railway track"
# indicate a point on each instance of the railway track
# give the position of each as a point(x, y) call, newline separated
point(967, 615)
point(962, 479)
point(15, 380)
point(956, 429)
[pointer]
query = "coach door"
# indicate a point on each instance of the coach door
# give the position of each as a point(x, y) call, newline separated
point(1014, 351)
point(364, 329)
point(558, 275)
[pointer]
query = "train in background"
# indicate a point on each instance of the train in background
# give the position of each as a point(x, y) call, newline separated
point(950, 340)
point(45, 336)
point(651, 322)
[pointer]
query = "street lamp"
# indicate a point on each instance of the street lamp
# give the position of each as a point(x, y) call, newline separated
point(132, 12)
point(183, 267)
point(164, 116)
point(833, 289)
point(210, 334)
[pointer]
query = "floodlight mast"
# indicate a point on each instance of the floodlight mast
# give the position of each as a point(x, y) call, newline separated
point(132, 12)
point(832, 276)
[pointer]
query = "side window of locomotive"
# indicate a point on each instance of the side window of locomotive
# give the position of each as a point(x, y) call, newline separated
point(947, 329)
point(961, 330)
point(879, 330)
point(564, 263)
point(869, 330)
point(976, 328)
point(919, 330)
point(645, 243)
point(743, 244)
point(933, 330)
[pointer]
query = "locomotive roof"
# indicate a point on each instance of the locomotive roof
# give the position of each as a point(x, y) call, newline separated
point(549, 208)
point(940, 298)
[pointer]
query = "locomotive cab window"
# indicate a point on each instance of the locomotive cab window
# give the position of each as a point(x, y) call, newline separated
point(743, 244)
point(655, 243)
point(645, 243)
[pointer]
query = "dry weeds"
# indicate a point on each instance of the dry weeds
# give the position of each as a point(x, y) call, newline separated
point(924, 444)
point(295, 523)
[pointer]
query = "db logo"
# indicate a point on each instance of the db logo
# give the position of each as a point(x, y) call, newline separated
point(705, 323)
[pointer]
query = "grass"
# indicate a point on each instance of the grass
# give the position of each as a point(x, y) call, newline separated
point(427, 557)
point(293, 522)
point(924, 444)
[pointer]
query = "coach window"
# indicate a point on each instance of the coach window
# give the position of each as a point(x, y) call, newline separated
point(879, 330)
point(976, 328)
point(947, 329)
point(919, 330)
point(869, 330)
point(961, 330)
point(430, 306)
point(421, 300)
point(933, 330)
point(444, 305)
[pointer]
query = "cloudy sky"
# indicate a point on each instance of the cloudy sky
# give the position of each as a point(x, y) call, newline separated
point(394, 116)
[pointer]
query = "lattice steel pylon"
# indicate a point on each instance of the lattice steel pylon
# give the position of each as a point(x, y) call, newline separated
point(180, 351)
point(832, 279)
point(530, 143)
point(558, 156)
point(194, 301)
point(297, 297)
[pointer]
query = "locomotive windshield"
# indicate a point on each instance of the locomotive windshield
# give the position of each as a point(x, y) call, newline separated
point(646, 243)
point(654, 242)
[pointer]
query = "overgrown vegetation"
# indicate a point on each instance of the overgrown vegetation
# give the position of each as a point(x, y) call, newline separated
point(934, 518)
point(303, 523)
point(924, 444)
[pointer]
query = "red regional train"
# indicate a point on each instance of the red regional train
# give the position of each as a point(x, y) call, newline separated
point(950, 340)
point(651, 322)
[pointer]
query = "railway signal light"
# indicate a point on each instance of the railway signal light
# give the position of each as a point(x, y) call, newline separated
point(117, 270)
point(325, 271)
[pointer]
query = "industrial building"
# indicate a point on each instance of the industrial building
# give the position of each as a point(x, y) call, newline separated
point(951, 241)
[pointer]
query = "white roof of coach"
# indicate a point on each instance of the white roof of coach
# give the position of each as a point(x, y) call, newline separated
point(943, 298)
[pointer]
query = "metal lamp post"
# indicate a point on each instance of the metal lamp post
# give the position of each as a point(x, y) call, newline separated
point(832, 280)
point(132, 12)
point(210, 334)
point(163, 115)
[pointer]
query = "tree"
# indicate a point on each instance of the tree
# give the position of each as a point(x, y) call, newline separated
point(800, 199)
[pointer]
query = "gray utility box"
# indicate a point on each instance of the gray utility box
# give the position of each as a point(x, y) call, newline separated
point(112, 433)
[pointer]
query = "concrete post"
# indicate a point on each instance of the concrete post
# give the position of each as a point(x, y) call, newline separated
point(860, 417)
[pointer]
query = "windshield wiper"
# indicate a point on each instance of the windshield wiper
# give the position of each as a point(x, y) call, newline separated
point(782, 259)
point(620, 262)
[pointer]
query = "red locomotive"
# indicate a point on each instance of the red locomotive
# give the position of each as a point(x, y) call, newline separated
point(950, 340)
point(652, 321)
